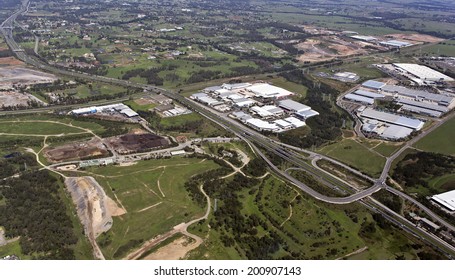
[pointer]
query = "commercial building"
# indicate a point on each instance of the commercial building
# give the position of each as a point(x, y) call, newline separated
point(422, 73)
point(446, 200)
point(386, 131)
point(390, 118)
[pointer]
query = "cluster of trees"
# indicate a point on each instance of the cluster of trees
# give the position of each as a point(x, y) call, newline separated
point(416, 169)
point(203, 75)
point(256, 167)
point(35, 211)
point(151, 75)
point(324, 128)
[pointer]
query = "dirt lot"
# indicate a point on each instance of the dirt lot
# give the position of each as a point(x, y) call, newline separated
point(413, 38)
point(14, 98)
point(77, 151)
point(10, 61)
point(12, 75)
point(327, 48)
point(136, 143)
point(173, 251)
point(143, 101)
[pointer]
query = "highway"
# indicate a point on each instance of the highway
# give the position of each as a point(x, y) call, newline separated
point(252, 137)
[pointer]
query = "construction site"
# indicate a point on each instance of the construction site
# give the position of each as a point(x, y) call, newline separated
point(94, 208)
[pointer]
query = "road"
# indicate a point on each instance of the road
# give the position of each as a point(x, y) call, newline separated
point(408, 144)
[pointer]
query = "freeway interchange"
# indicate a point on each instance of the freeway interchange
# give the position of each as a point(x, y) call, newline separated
point(261, 145)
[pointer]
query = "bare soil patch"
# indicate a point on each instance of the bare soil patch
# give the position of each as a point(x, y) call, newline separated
point(136, 143)
point(77, 151)
point(175, 250)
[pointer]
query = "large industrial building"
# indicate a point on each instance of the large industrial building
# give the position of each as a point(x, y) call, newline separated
point(393, 119)
point(267, 91)
point(421, 73)
point(446, 200)
point(112, 108)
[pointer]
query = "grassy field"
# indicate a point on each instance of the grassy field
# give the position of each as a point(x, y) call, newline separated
point(138, 107)
point(152, 208)
point(355, 155)
point(386, 149)
point(444, 48)
point(440, 140)
point(40, 128)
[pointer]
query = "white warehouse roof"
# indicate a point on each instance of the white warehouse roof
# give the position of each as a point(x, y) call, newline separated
point(392, 118)
point(261, 125)
point(295, 122)
point(423, 72)
point(396, 132)
point(446, 199)
point(267, 91)
point(292, 105)
point(373, 84)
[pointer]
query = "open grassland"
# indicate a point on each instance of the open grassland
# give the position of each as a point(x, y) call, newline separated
point(355, 155)
point(36, 127)
point(444, 48)
point(440, 140)
point(139, 107)
point(153, 194)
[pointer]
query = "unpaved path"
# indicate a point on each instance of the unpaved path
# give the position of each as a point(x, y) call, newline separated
point(182, 228)
point(354, 253)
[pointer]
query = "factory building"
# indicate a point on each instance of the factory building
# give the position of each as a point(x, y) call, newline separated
point(261, 125)
point(118, 107)
point(395, 44)
point(446, 200)
point(421, 73)
point(359, 98)
point(371, 84)
point(394, 119)
point(267, 91)
point(419, 95)
point(364, 38)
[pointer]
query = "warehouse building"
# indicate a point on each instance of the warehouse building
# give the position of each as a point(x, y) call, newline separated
point(394, 119)
point(261, 125)
point(395, 44)
point(364, 38)
point(369, 94)
point(445, 200)
point(373, 84)
point(422, 73)
point(267, 91)
point(359, 98)
point(420, 95)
